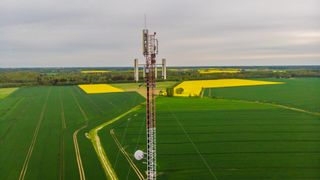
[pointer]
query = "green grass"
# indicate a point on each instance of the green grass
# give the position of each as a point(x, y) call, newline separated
point(229, 139)
point(53, 153)
point(301, 93)
point(4, 92)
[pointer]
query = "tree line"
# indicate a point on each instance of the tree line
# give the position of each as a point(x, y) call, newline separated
point(63, 76)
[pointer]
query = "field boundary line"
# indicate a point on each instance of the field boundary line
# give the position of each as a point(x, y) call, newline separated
point(7, 95)
point(34, 139)
point(95, 140)
point(75, 139)
point(132, 164)
point(91, 101)
point(80, 108)
point(277, 105)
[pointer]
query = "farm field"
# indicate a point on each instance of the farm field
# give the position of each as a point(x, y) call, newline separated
point(195, 87)
point(301, 93)
point(222, 139)
point(99, 88)
point(42, 128)
point(4, 92)
point(213, 71)
point(233, 135)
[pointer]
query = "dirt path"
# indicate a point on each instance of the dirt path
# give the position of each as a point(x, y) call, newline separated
point(94, 137)
point(106, 165)
point(34, 139)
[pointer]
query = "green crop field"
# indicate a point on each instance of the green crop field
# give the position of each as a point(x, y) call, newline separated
point(37, 126)
point(225, 138)
point(301, 93)
point(231, 133)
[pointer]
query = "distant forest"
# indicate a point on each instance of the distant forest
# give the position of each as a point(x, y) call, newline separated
point(11, 77)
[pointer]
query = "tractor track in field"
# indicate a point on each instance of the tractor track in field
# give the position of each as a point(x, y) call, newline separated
point(126, 155)
point(62, 145)
point(92, 102)
point(63, 119)
point(13, 108)
point(78, 155)
point(34, 139)
point(61, 158)
point(13, 123)
point(94, 137)
point(192, 143)
point(75, 139)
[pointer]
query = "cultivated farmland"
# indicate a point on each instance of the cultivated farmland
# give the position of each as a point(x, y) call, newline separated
point(252, 132)
point(214, 71)
point(42, 132)
point(194, 88)
point(301, 93)
point(99, 88)
point(222, 139)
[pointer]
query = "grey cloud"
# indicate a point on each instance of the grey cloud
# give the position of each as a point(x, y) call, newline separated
point(205, 32)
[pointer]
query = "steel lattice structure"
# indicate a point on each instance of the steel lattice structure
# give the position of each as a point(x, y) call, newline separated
point(150, 50)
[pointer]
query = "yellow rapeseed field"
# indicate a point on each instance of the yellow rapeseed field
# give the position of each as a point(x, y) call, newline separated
point(99, 88)
point(194, 88)
point(94, 71)
point(212, 71)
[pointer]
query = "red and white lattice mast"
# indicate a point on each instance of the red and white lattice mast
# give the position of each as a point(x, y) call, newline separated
point(150, 50)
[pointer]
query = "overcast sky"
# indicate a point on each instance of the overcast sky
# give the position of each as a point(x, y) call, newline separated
point(204, 32)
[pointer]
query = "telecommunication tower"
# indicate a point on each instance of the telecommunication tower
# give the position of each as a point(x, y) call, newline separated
point(150, 50)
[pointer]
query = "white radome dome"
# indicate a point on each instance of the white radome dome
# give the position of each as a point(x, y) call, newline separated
point(138, 155)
